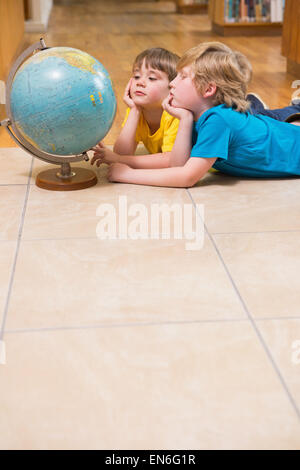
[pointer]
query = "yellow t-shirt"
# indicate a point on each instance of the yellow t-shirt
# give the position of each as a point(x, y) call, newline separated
point(163, 139)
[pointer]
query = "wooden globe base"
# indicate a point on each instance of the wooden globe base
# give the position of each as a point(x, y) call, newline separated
point(82, 179)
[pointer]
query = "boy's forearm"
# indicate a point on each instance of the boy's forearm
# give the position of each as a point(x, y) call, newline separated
point(175, 177)
point(146, 162)
point(183, 143)
point(126, 143)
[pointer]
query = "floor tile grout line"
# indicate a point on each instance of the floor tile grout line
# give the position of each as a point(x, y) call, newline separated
point(251, 319)
point(277, 318)
point(12, 274)
point(256, 232)
point(142, 240)
point(14, 184)
point(123, 325)
point(96, 238)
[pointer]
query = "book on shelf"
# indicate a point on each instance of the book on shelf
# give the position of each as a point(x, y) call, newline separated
point(253, 11)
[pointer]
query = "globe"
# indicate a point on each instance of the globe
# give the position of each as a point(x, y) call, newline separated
point(62, 101)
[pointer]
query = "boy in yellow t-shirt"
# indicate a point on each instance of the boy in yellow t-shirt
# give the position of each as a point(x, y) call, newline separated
point(145, 119)
point(163, 139)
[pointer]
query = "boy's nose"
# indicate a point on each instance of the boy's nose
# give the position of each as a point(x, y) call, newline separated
point(141, 82)
point(172, 84)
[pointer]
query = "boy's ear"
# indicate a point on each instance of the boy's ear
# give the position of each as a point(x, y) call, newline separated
point(210, 90)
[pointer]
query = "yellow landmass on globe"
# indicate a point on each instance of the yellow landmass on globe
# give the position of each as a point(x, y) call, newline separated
point(81, 60)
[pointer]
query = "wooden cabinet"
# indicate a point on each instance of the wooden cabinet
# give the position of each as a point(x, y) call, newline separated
point(11, 33)
point(291, 36)
point(254, 28)
point(11, 42)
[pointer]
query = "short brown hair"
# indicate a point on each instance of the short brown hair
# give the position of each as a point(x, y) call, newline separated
point(230, 70)
point(159, 59)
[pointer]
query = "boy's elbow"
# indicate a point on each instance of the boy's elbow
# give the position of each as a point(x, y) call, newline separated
point(191, 179)
point(188, 181)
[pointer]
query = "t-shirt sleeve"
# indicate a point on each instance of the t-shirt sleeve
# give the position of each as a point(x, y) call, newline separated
point(170, 136)
point(126, 116)
point(138, 131)
point(213, 139)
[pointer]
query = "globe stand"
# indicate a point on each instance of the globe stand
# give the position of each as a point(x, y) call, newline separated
point(53, 180)
point(66, 179)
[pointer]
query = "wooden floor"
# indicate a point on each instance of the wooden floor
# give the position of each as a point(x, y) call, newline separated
point(116, 31)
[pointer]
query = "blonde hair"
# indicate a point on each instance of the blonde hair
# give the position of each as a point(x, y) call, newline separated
point(229, 70)
point(158, 59)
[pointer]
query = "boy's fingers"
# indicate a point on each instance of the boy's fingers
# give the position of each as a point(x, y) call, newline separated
point(95, 158)
point(128, 85)
point(166, 106)
point(127, 90)
point(99, 151)
point(98, 146)
point(167, 100)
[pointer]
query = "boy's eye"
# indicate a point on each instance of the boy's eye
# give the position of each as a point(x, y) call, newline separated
point(136, 77)
point(152, 78)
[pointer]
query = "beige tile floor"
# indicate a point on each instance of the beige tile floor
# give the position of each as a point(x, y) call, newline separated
point(143, 344)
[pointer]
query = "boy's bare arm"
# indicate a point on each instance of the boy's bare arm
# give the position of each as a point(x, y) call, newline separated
point(126, 143)
point(178, 177)
point(146, 162)
point(181, 150)
point(103, 154)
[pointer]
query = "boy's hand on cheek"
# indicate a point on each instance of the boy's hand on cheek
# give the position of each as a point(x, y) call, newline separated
point(127, 97)
point(179, 113)
point(118, 172)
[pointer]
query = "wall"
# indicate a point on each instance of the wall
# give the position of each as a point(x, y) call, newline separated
point(38, 12)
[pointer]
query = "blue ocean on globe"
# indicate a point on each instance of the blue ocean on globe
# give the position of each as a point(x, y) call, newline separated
point(62, 101)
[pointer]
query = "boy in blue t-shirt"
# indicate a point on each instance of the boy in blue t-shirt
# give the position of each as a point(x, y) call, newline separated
point(247, 145)
point(216, 129)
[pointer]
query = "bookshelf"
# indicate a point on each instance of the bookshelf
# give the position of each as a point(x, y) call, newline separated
point(192, 6)
point(291, 35)
point(236, 26)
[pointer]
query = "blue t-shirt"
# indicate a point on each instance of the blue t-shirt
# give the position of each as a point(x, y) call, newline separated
point(246, 144)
